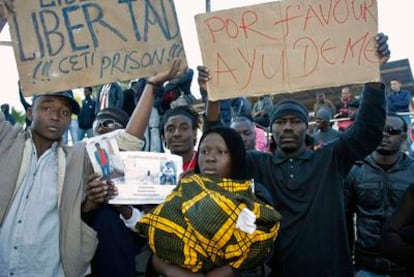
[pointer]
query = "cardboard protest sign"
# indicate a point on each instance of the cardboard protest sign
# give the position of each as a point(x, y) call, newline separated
point(289, 46)
point(65, 44)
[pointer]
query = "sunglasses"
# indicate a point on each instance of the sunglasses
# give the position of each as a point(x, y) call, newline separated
point(107, 124)
point(392, 132)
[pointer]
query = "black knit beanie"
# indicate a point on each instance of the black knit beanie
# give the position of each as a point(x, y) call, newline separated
point(290, 107)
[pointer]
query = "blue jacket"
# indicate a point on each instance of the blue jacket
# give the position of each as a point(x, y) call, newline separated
point(399, 102)
point(87, 113)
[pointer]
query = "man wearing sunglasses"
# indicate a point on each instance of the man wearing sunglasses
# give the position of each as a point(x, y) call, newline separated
point(373, 189)
point(108, 120)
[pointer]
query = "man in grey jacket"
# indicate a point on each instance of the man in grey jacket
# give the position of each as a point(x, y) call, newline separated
point(41, 232)
point(43, 188)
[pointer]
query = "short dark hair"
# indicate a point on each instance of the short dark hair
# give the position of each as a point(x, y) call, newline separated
point(180, 110)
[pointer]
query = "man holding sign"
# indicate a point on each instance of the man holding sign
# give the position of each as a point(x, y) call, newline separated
point(308, 185)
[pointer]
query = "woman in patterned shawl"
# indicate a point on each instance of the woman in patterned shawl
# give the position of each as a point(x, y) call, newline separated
point(212, 220)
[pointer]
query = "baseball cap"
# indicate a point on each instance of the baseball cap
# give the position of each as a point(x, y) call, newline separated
point(68, 94)
point(118, 115)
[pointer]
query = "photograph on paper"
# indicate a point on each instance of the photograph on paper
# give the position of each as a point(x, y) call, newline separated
point(148, 177)
point(103, 153)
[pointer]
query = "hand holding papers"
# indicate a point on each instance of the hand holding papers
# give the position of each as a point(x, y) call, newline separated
point(140, 177)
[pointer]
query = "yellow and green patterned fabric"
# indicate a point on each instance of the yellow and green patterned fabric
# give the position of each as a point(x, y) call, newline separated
point(195, 227)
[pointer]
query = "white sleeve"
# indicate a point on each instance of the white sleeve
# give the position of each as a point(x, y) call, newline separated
point(246, 221)
point(133, 220)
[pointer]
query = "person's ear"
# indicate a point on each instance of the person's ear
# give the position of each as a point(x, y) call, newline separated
point(29, 113)
point(164, 142)
point(195, 137)
point(404, 136)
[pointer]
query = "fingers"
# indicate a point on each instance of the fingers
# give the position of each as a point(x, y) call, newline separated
point(94, 176)
point(203, 74)
point(174, 71)
point(175, 67)
point(9, 5)
point(3, 11)
point(383, 51)
point(6, 7)
point(182, 71)
point(98, 190)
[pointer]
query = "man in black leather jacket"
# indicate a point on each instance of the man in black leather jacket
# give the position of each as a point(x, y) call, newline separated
point(373, 190)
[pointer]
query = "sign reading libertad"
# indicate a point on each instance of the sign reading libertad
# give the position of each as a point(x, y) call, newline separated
point(288, 46)
point(65, 44)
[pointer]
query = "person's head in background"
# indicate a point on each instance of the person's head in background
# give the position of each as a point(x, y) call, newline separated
point(221, 152)
point(353, 108)
point(134, 85)
point(395, 85)
point(346, 94)
point(320, 97)
point(178, 130)
point(322, 118)
point(5, 108)
point(109, 119)
point(87, 91)
point(246, 129)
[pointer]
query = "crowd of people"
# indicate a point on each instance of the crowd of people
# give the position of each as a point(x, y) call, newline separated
point(298, 203)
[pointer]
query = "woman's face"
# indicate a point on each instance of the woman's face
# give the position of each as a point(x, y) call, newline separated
point(214, 157)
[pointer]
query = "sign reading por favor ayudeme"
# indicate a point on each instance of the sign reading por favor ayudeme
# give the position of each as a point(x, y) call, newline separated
point(289, 46)
point(65, 44)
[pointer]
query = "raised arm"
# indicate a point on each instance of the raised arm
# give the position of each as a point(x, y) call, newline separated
point(212, 115)
point(366, 133)
point(6, 7)
point(98, 190)
point(139, 119)
point(25, 104)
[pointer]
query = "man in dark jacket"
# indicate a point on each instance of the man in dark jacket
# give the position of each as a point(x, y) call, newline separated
point(129, 97)
point(110, 95)
point(86, 114)
point(308, 185)
point(373, 189)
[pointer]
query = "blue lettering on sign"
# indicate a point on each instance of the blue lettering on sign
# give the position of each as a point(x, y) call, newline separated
point(56, 25)
point(58, 3)
point(162, 20)
point(59, 40)
point(72, 28)
point(130, 61)
point(98, 19)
